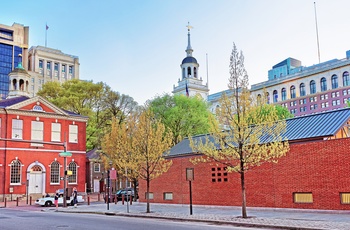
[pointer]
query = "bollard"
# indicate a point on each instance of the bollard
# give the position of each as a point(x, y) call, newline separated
point(98, 197)
point(115, 199)
point(131, 200)
point(5, 201)
point(17, 202)
point(123, 199)
point(88, 198)
point(30, 200)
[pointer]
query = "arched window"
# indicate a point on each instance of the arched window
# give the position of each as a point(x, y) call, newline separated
point(346, 79)
point(323, 84)
point(302, 90)
point(284, 94)
point(312, 87)
point(267, 97)
point(55, 173)
point(195, 72)
point(334, 81)
point(73, 178)
point(275, 96)
point(15, 172)
point(292, 92)
point(183, 73)
point(189, 71)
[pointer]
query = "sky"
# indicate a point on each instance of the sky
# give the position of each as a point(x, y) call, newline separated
point(136, 46)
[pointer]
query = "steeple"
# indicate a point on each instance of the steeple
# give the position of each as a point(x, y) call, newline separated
point(189, 49)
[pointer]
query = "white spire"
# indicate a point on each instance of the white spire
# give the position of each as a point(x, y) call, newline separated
point(189, 49)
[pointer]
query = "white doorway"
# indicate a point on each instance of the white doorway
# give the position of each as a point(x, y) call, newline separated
point(96, 185)
point(35, 180)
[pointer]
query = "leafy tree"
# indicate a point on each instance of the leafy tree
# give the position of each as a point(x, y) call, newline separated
point(95, 100)
point(348, 103)
point(181, 115)
point(139, 144)
point(253, 129)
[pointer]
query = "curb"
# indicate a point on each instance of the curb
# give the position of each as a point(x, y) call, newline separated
point(218, 222)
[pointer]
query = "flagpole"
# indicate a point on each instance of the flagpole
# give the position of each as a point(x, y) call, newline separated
point(46, 35)
point(318, 44)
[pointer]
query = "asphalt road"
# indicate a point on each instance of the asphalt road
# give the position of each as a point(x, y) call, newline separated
point(12, 219)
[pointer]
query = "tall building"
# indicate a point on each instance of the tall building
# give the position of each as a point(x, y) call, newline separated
point(190, 83)
point(13, 48)
point(47, 64)
point(306, 90)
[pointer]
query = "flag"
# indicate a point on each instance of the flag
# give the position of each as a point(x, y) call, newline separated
point(187, 93)
point(47, 27)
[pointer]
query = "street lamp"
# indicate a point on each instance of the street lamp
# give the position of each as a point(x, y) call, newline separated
point(65, 155)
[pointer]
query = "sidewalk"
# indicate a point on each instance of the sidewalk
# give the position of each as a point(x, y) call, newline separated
point(258, 217)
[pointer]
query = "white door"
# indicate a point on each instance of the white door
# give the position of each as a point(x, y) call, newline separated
point(35, 180)
point(96, 185)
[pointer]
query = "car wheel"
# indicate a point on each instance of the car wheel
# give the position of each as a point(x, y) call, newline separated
point(48, 203)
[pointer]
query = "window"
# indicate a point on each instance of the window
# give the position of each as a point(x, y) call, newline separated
point(284, 94)
point(346, 79)
point(334, 81)
point(96, 167)
point(292, 92)
point(313, 107)
point(48, 65)
point(15, 172)
point(17, 129)
point(219, 175)
point(56, 66)
point(168, 196)
point(293, 103)
point(150, 195)
point(73, 133)
point(63, 68)
point(70, 69)
point(345, 92)
point(37, 131)
point(55, 173)
point(324, 105)
point(40, 64)
point(275, 96)
point(303, 109)
point(293, 111)
point(345, 198)
point(302, 101)
point(268, 98)
point(335, 94)
point(302, 90)
point(312, 87)
point(72, 179)
point(302, 197)
point(55, 132)
point(313, 99)
point(324, 97)
point(336, 102)
point(323, 84)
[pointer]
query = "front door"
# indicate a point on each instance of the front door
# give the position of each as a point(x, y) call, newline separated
point(35, 180)
point(97, 185)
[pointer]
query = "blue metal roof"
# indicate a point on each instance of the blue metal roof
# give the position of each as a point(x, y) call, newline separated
point(12, 101)
point(189, 60)
point(314, 126)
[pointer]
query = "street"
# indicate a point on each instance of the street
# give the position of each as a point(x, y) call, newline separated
point(12, 219)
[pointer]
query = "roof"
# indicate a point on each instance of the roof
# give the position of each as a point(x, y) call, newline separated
point(189, 60)
point(93, 154)
point(12, 101)
point(314, 126)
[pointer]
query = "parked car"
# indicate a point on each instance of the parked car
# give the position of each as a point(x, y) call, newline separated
point(128, 194)
point(49, 201)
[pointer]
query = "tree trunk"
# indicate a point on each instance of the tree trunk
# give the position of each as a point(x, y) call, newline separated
point(244, 203)
point(148, 207)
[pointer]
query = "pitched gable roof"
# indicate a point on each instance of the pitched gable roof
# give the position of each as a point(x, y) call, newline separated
point(314, 126)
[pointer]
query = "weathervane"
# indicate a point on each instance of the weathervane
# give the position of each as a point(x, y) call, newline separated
point(189, 27)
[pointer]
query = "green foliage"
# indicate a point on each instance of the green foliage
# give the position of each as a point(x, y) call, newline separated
point(95, 100)
point(181, 115)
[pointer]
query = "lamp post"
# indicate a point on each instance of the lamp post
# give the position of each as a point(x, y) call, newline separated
point(65, 155)
point(190, 178)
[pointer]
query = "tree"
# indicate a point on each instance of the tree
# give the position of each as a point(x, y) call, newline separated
point(95, 100)
point(253, 132)
point(183, 116)
point(140, 145)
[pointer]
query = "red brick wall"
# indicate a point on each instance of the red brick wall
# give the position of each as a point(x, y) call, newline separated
point(320, 167)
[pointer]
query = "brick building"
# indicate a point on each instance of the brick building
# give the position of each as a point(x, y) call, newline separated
point(32, 134)
point(313, 175)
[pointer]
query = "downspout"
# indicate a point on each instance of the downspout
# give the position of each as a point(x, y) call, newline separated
point(5, 153)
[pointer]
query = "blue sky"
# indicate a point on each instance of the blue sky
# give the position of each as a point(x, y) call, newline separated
point(136, 46)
